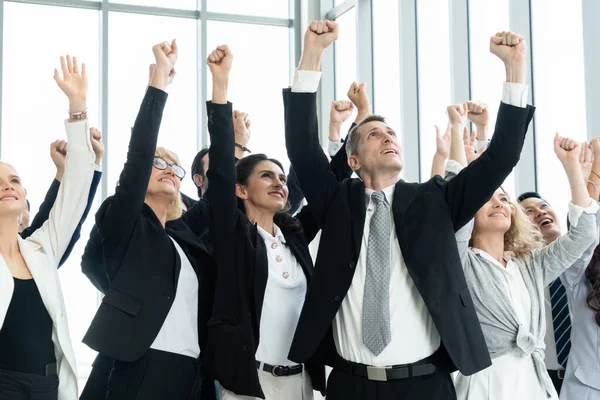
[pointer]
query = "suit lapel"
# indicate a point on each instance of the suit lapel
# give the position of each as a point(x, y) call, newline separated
point(261, 273)
point(403, 195)
point(7, 286)
point(358, 211)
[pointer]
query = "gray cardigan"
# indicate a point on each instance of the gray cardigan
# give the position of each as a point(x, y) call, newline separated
point(538, 268)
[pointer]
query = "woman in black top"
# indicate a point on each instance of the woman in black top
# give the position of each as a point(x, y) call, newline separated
point(152, 318)
point(263, 265)
point(36, 356)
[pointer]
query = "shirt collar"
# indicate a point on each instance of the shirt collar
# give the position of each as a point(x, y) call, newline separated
point(508, 257)
point(267, 236)
point(388, 192)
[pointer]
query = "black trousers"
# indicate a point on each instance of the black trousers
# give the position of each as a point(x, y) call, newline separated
point(97, 383)
point(342, 385)
point(21, 386)
point(158, 375)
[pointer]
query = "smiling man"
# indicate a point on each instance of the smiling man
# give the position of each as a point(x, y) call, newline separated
point(558, 326)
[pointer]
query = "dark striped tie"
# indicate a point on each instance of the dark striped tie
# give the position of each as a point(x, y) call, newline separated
point(561, 321)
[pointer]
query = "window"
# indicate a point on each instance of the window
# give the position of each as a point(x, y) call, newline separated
point(181, 4)
point(487, 71)
point(129, 57)
point(263, 8)
point(434, 76)
point(560, 98)
point(33, 114)
point(345, 60)
point(260, 71)
point(386, 65)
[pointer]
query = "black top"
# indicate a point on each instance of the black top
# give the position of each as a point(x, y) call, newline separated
point(426, 217)
point(26, 336)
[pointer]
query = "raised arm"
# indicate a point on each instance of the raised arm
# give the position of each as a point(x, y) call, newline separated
point(92, 261)
point(317, 181)
point(466, 193)
point(222, 183)
point(117, 220)
point(70, 203)
point(566, 250)
point(594, 179)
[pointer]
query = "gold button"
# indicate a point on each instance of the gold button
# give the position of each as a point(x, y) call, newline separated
point(279, 259)
point(285, 275)
point(274, 245)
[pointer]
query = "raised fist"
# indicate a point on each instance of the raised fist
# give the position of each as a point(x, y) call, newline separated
point(241, 127)
point(508, 46)
point(165, 54)
point(220, 60)
point(478, 113)
point(73, 83)
point(152, 69)
point(567, 150)
point(341, 110)
point(58, 153)
point(358, 94)
point(97, 145)
point(457, 114)
point(320, 35)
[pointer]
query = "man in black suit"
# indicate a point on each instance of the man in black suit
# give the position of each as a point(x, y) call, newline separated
point(389, 306)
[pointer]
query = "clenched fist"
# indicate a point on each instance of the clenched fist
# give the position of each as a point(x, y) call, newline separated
point(567, 150)
point(508, 46)
point(165, 54)
point(320, 35)
point(341, 110)
point(219, 61)
point(457, 114)
point(241, 127)
point(58, 153)
point(478, 113)
point(97, 145)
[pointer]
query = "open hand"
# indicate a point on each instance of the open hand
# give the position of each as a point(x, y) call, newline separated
point(73, 83)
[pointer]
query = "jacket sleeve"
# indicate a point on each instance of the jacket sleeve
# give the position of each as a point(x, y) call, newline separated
point(44, 211)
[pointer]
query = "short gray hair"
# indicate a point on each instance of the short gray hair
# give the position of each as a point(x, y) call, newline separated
point(353, 137)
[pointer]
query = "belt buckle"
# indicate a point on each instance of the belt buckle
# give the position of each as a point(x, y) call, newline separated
point(376, 374)
point(274, 371)
point(561, 374)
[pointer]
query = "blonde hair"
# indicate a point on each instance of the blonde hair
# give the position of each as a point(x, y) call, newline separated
point(523, 236)
point(174, 211)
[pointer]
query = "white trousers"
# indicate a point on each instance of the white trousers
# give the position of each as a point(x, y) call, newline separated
point(295, 387)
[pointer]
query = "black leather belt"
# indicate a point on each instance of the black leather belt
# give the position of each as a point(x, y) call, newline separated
point(385, 373)
point(280, 370)
point(557, 373)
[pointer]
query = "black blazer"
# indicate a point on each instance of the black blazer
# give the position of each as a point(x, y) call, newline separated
point(46, 207)
point(142, 263)
point(426, 217)
point(241, 257)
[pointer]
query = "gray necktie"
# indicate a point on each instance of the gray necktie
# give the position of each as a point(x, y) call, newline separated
point(376, 304)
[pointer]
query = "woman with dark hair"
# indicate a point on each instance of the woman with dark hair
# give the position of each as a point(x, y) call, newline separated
point(263, 265)
point(582, 283)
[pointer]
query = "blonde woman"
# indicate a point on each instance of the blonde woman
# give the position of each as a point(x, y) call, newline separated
point(507, 271)
point(36, 355)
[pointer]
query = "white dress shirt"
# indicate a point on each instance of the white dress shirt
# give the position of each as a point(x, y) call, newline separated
point(413, 334)
point(179, 333)
point(283, 301)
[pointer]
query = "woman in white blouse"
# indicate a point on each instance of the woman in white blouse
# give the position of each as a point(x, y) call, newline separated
point(36, 356)
point(507, 271)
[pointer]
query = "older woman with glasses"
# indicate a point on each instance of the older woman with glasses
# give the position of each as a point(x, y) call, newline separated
point(160, 293)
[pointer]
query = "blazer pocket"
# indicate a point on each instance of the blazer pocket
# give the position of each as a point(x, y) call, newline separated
point(124, 302)
point(465, 298)
point(588, 376)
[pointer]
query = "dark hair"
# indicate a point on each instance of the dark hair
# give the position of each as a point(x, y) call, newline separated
point(592, 274)
point(198, 168)
point(353, 138)
point(28, 205)
point(529, 195)
point(244, 168)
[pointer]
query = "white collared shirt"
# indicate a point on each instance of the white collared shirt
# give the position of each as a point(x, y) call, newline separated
point(283, 301)
point(179, 333)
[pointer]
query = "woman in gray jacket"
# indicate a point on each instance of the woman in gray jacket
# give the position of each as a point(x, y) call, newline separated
point(507, 271)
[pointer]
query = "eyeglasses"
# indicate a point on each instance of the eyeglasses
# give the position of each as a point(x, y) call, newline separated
point(162, 164)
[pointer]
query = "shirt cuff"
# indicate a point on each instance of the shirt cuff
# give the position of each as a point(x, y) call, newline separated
point(306, 81)
point(515, 94)
point(453, 167)
point(334, 147)
point(576, 211)
point(98, 167)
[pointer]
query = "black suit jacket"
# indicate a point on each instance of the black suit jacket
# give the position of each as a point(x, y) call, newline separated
point(241, 257)
point(426, 217)
point(46, 206)
point(142, 263)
